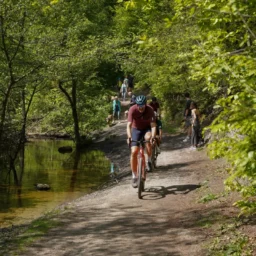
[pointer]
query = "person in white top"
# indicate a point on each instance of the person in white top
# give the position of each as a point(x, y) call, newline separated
point(123, 90)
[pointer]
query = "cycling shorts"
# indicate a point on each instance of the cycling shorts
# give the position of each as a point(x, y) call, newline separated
point(138, 135)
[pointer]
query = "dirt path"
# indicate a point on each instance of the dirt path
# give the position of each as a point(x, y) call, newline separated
point(167, 221)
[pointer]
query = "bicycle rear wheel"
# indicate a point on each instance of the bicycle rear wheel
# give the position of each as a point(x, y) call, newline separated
point(140, 180)
point(155, 154)
point(153, 157)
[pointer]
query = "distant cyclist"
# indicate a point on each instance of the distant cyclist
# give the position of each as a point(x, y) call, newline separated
point(141, 124)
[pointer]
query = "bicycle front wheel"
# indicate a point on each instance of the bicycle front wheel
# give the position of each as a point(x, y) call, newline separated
point(140, 180)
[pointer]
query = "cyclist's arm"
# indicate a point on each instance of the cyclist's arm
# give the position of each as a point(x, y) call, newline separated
point(129, 130)
point(153, 129)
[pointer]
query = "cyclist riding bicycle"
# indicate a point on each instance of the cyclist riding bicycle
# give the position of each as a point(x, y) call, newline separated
point(141, 124)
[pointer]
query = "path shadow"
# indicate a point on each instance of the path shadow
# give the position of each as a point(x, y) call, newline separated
point(159, 192)
point(174, 142)
point(160, 168)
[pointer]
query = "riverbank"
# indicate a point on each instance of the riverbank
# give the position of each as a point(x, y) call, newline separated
point(183, 210)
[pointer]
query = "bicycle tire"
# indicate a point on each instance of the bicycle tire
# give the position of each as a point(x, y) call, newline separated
point(155, 154)
point(153, 158)
point(140, 181)
point(145, 174)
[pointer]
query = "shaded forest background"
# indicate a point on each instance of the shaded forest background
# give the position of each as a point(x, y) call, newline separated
point(60, 62)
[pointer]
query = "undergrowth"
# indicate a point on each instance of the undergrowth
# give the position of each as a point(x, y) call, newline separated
point(230, 241)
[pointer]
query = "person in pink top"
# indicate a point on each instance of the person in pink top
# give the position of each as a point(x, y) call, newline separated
point(141, 124)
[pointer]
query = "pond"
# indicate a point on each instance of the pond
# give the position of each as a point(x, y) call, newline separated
point(69, 175)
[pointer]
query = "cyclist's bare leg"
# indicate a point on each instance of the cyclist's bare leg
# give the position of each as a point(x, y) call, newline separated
point(134, 160)
point(148, 145)
point(157, 141)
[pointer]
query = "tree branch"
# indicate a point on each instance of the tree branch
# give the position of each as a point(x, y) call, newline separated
point(245, 23)
point(237, 51)
point(65, 92)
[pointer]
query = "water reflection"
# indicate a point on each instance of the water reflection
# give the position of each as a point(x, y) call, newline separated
point(69, 176)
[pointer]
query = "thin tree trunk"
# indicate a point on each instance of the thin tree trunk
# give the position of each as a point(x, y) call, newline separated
point(72, 102)
point(4, 107)
point(75, 116)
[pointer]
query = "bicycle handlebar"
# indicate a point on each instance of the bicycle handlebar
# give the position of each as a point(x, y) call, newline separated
point(141, 141)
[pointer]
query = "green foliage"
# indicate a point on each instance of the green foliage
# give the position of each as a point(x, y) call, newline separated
point(207, 198)
point(77, 51)
point(158, 55)
point(44, 44)
point(224, 57)
point(237, 245)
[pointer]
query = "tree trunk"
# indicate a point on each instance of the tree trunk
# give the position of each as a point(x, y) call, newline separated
point(4, 107)
point(72, 102)
point(75, 116)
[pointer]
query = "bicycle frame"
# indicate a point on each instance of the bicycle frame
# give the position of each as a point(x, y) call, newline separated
point(141, 167)
point(141, 153)
point(141, 162)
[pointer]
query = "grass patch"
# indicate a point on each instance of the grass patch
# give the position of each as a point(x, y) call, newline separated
point(229, 241)
point(210, 220)
point(171, 127)
point(205, 223)
point(16, 241)
point(207, 198)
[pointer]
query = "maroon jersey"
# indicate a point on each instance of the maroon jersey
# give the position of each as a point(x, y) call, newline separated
point(141, 121)
point(154, 105)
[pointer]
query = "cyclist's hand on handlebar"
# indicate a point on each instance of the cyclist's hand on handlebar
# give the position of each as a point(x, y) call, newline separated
point(129, 140)
point(152, 140)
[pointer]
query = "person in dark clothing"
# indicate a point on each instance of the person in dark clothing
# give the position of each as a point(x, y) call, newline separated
point(133, 100)
point(130, 83)
point(159, 132)
point(195, 124)
point(187, 117)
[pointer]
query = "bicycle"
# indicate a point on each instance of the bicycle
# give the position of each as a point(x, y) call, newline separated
point(141, 166)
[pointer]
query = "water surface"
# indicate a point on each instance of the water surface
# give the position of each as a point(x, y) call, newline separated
point(69, 175)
